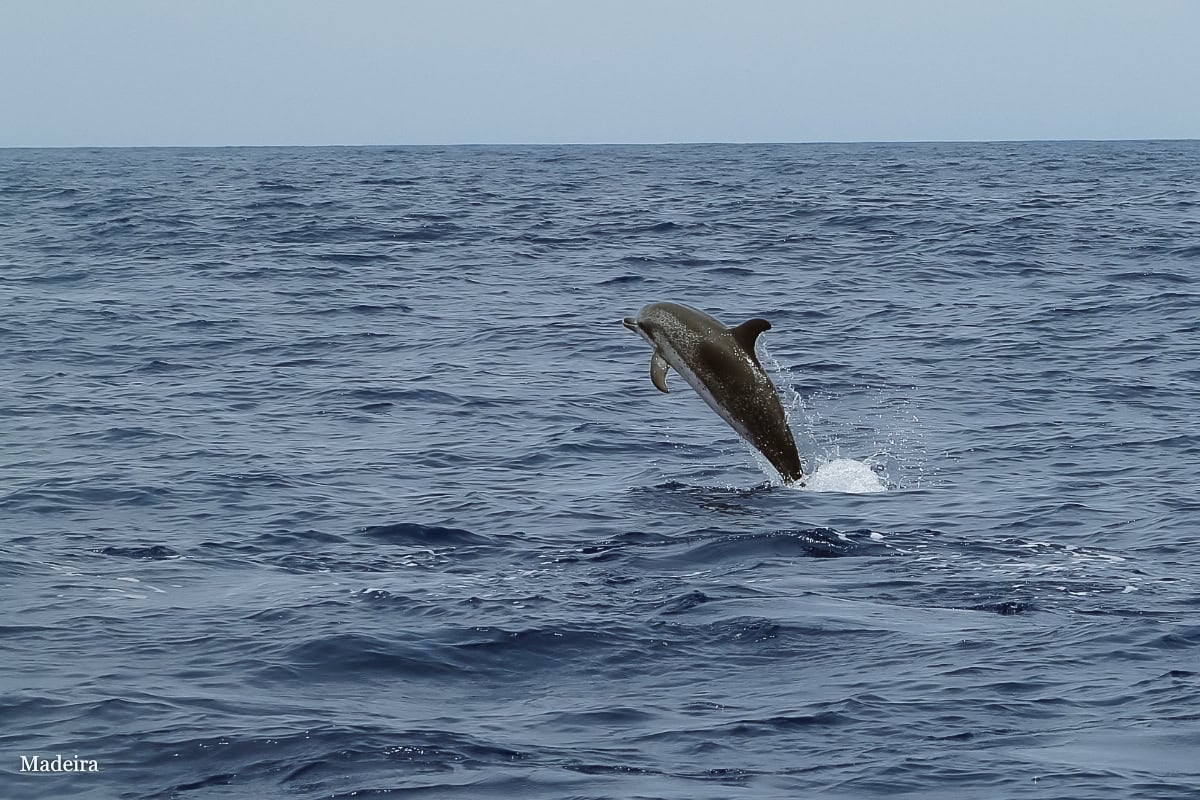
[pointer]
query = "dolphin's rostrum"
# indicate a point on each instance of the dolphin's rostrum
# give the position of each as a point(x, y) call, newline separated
point(721, 365)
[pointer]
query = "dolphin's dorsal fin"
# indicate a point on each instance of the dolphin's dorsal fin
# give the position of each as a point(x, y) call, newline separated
point(747, 334)
point(658, 372)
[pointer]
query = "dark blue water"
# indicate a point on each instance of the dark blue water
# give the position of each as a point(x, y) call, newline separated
point(333, 473)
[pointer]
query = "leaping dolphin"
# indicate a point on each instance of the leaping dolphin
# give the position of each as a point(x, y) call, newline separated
point(721, 365)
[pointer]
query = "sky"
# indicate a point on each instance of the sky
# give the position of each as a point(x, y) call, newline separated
point(330, 72)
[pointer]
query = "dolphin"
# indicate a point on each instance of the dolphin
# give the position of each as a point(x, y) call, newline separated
point(721, 365)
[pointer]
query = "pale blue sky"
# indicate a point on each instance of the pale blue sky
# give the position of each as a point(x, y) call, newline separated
point(287, 72)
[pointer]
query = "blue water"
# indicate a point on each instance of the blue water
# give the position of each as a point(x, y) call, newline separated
point(331, 473)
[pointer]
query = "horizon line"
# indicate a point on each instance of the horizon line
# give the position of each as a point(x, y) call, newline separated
point(664, 143)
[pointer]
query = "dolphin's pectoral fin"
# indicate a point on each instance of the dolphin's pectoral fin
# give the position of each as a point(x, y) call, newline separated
point(747, 333)
point(658, 372)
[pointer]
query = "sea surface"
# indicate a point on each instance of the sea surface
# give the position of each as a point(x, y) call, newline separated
point(332, 473)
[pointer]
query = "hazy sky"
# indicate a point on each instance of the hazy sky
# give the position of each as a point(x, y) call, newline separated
point(228, 72)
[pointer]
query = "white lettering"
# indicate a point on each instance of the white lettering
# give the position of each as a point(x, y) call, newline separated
point(59, 764)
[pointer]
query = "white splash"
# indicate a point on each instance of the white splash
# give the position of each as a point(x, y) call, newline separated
point(844, 475)
point(882, 421)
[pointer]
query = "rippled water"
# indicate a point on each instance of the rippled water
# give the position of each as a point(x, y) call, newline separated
point(333, 473)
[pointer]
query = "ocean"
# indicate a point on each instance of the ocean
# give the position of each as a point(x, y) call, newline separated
point(332, 473)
